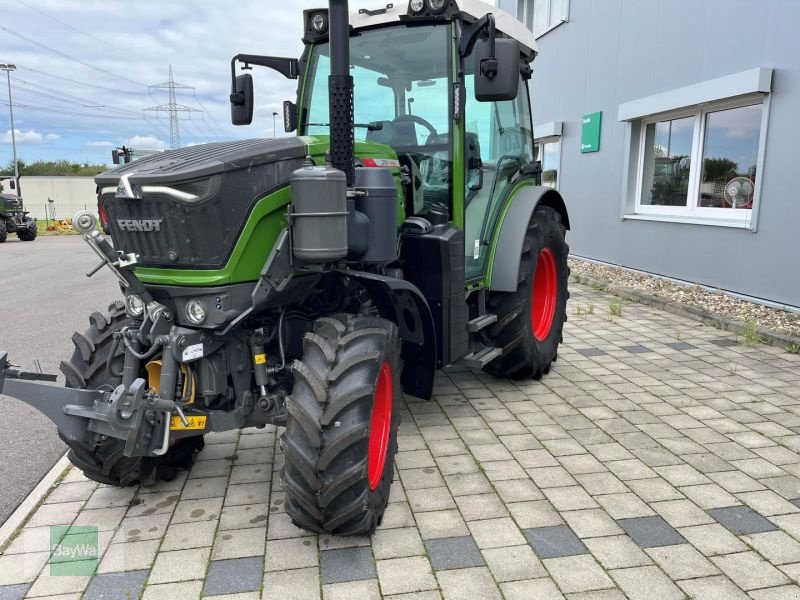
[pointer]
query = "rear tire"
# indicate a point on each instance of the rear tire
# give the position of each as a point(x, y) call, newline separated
point(104, 462)
point(530, 321)
point(341, 432)
point(3, 230)
point(28, 235)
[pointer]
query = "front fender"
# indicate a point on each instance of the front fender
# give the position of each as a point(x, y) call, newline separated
point(504, 273)
point(402, 303)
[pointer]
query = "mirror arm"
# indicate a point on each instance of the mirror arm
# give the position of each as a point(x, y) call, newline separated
point(288, 67)
point(471, 34)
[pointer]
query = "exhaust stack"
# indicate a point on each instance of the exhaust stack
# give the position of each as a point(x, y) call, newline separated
point(340, 90)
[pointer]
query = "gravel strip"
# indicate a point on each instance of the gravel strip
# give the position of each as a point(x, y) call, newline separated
point(715, 303)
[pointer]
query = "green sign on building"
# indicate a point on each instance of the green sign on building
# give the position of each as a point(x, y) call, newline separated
point(590, 132)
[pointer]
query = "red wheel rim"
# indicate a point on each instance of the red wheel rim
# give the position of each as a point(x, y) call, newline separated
point(380, 426)
point(544, 294)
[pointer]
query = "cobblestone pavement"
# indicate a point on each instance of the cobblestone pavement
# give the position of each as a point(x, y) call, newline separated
point(659, 459)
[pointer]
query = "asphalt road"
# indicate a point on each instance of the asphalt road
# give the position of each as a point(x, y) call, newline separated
point(44, 297)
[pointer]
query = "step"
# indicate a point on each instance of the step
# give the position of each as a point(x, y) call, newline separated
point(481, 322)
point(482, 357)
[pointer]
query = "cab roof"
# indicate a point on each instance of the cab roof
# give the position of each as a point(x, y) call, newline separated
point(504, 22)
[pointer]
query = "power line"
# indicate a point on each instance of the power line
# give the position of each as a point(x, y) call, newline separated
point(210, 116)
point(65, 55)
point(62, 111)
point(44, 14)
point(68, 98)
point(74, 81)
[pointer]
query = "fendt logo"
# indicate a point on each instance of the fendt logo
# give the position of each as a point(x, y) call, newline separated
point(140, 224)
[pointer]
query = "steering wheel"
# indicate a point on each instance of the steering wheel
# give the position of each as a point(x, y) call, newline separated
point(419, 120)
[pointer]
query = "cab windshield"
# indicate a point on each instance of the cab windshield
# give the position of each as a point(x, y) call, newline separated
point(401, 80)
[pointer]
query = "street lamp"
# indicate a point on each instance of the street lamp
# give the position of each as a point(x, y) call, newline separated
point(274, 116)
point(8, 68)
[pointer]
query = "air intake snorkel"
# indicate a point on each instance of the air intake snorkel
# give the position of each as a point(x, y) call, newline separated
point(340, 91)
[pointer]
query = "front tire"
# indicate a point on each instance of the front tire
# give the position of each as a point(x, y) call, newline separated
point(341, 432)
point(28, 235)
point(104, 462)
point(3, 230)
point(530, 321)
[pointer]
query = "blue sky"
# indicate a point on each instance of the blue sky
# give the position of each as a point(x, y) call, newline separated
point(84, 67)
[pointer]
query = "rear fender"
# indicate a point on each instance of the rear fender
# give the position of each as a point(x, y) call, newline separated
point(402, 303)
point(509, 241)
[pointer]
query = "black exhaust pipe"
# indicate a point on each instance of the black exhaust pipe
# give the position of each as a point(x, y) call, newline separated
point(340, 90)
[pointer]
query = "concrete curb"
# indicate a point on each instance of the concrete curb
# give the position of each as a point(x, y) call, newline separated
point(32, 501)
point(772, 338)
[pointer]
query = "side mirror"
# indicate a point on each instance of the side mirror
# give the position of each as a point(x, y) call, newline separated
point(496, 69)
point(115, 156)
point(242, 100)
point(289, 116)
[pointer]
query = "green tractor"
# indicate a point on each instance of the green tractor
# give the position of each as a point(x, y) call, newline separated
point(14, 219)
point(309, 281)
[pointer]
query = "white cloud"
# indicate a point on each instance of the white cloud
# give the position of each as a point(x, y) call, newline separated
point(22, 137)
point(52, 136)
point(100, 144)
point(145, 142)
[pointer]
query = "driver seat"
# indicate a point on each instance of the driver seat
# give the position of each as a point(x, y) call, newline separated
point(435, 172)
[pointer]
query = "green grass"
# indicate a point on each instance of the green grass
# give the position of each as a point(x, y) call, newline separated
point(615, 307)
point(582, 310)
point(232, 457)
point(751, 335)
point(793, 349)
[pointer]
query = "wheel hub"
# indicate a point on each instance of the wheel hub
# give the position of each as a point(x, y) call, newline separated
point(544, 295)
point(380, 426)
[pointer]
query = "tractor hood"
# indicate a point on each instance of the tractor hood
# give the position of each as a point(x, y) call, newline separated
point(185, 208)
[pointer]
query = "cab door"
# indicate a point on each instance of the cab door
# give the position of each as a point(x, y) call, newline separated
point(501, 135)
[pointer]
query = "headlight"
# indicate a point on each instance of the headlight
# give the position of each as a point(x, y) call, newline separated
point(134, 305)
point(417, 6)
point(437, 5)
point(319, 23)
point(195, 312)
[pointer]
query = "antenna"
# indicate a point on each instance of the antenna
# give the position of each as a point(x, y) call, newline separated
point(173, 108)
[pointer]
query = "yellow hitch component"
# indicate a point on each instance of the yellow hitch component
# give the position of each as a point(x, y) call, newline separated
point(153, 369)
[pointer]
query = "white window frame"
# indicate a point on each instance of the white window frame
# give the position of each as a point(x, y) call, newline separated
point(530, 10)
point(691, 210)
point(553, 139)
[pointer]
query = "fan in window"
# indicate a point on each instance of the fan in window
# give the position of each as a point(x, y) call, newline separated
point(739, 192)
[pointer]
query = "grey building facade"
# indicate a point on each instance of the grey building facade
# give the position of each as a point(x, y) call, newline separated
point(672, 128)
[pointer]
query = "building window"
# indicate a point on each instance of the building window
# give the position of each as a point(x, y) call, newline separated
point(540, 16)
point(548, 152)
point(701, 162)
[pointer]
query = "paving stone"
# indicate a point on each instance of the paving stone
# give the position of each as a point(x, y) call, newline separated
point(612, 594)
point(588, 352)
point(250, 474)
point(13, 592)
point(651, 532)
point(443, 523)
point(405, 575)
point(681, 513)
point(294, 584)
point(601, 483)
point(577, 574)
point(130, 556)
point(768, 503)
point(346, 564)
point(736, 481)
point(480, 506)
point(244, 516)
point(179, 565)
point(513, 563)
point(467, 484)
point(351, 590)
point(784, 592)
point(291, 554)
point(681, 346)
point(73, 492)
point(396, 543)
point(569, 498)
point(712, 539)
point(624, 506)
point(709, 495)
point(207, 509)
point(680, 475)
point(182, 536)
point(591, 523)
point(646, 583)
point(538, 513)
point(397, 514)
point(742, 520)
point(749, 571)
point(712, 588)
point(187, 590)
point(21, 568)
point(682, 562)
point(210, 487)
point(540, 589)
point(776, 546)
point(239, 543)
point(233, 576)
point(556, 541)
point(453, 553)
point(517, 490)
point(467, 584)
point(616, 552)
point(430, 499)
point(150, 527)
point(247, 493)
point(493, 533)
point(548, 477)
